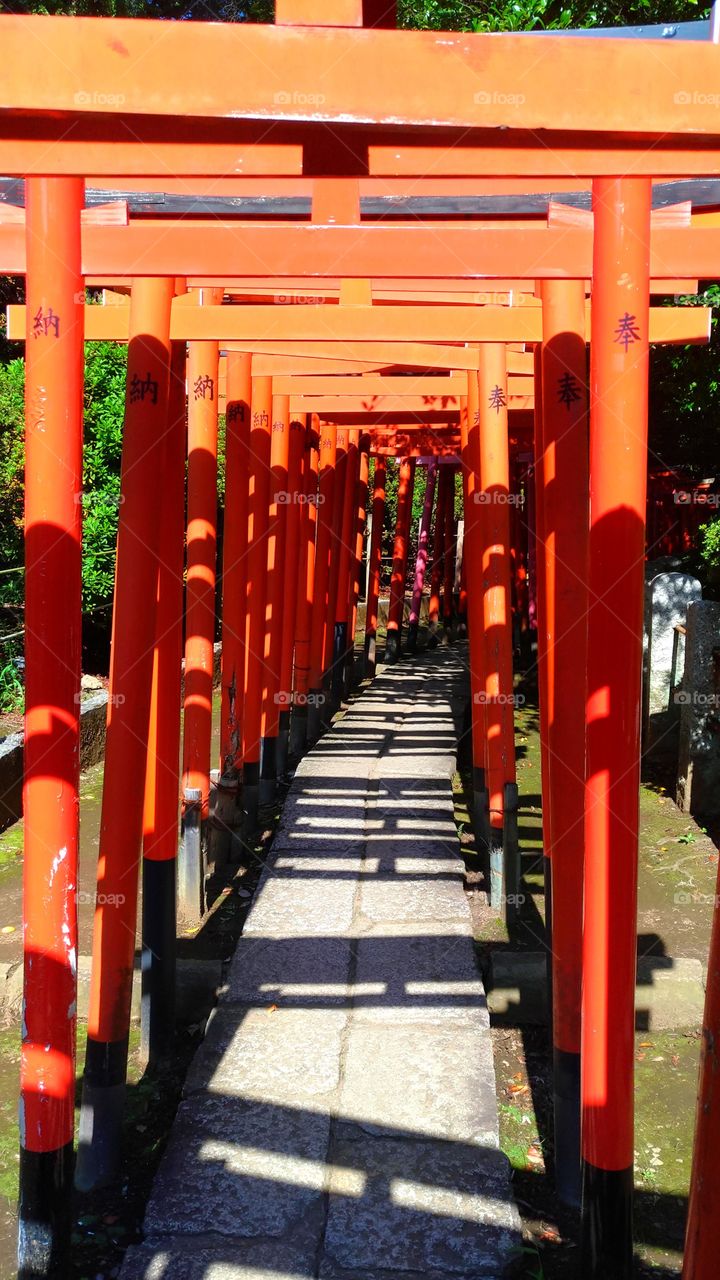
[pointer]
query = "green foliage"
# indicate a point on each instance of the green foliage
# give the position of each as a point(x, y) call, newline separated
point(104, 403)
point(684, 384)
point(193, 10)
point(105, 364)
point(221, 451)
point(710, 544)
point(531, 15)
point(12, 417)
point(431, 15)
point(11, 687)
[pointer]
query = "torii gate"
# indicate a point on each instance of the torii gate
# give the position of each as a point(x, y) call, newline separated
point(626, 117)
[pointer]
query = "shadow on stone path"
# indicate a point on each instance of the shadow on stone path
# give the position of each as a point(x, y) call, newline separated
point(340, 1119)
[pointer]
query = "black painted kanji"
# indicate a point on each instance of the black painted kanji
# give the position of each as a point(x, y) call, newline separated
point(44, 322)
point(204, 387)
point(497, 399)
point(143, 389)
point(568, 389)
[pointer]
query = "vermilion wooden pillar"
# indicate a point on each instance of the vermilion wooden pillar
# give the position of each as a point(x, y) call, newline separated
point(53, 520)
point(293, 541)
point(474, 546)
point(320, 604)
point(536, 523)
point(462, 601)
point(255, 598)
point(438, 557)
point(564, 557)
point(499, 697)
point(460, 555)
point(202, 399)
point(361, 497)
point(335, 553)
point(401, 547)
point(162, 779)
point(306, 582)
point(449, 557)
point(618, 465)
point(131, 665)
point(234, 578)
point(374, 563)
point(540, 575)
point(345, 555)
point(421, 560)
point(276, 545)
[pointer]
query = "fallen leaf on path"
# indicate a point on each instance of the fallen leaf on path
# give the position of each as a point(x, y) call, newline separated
point(551, 1235)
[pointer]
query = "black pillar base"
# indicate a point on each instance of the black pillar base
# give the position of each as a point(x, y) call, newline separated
point(511, 853)
point(157, 1014)
point(348, 672)
point(283, 743)
point(338, 672)
point(191, 870)
point(268, 772)
point(607, 1247)
point(327, 710)
point(314, 716)
point(498, 893)
point(547, 881)
point(481, 825)
point(45, 1213)
point(101, 1114)
point(298, 732)
point(566, 1077)
point(250, 798)
point(222, 829)
point(392, 647)
point(370, 655)
point(412, 638)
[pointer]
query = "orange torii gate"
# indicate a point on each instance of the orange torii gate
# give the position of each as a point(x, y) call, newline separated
point(359, 411)
point(626, 115)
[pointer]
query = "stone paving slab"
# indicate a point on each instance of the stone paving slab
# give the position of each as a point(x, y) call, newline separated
point(242, 1170)
point(209, 1259)
point(292, 971)
point(424, 1205)
point(326, 907)
point(340, 1119)
point(411, 899)
point(402, 765)
point(338, 767)
point(419, 1081)
point(409, 977)
point(245, 1055)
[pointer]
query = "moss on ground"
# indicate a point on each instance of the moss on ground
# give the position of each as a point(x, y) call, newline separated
point(11, 847)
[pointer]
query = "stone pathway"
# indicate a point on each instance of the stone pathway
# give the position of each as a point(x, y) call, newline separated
point(340, 1120)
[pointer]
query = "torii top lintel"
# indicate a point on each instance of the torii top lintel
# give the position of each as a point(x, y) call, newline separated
point(323, 100)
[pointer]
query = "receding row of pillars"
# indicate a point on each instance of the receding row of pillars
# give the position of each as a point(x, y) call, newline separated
point(295, 504)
